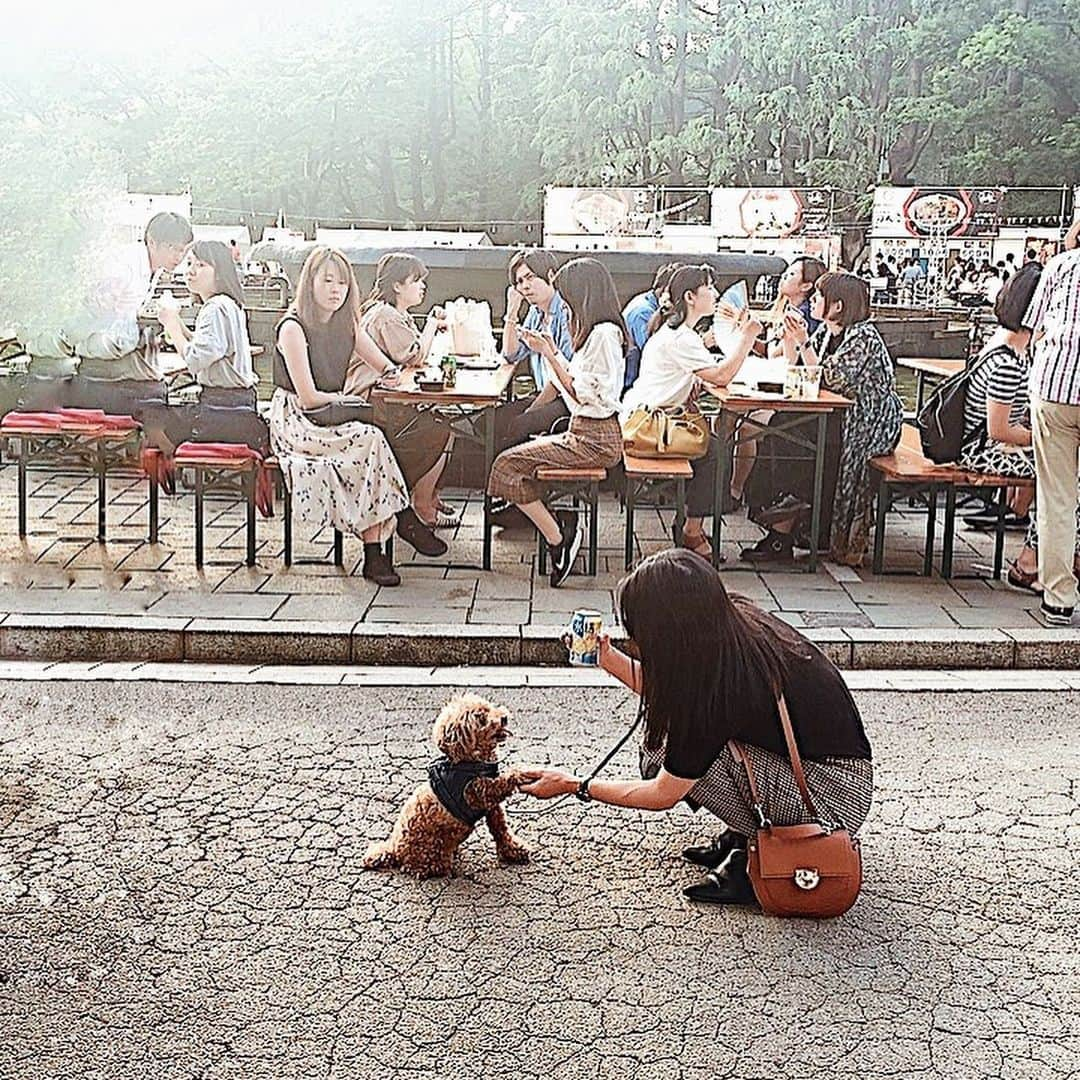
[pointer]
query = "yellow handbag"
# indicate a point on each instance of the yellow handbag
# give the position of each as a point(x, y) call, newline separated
point(665, 433)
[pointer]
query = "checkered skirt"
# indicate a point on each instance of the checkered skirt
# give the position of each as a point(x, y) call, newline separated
point(842, 788)
point(589, 444)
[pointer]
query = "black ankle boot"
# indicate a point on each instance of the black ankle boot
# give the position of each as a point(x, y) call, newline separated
point(728, 884)
point(712, 855)
point(773, 547)
point(378, 567)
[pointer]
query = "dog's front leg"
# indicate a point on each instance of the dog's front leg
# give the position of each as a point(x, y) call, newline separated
point(487, 793)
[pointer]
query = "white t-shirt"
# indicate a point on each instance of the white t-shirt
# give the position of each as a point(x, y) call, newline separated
point(597, 371)
point(219, 352)
point(669, 363)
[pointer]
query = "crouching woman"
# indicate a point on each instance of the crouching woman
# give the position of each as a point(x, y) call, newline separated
point(680, 618)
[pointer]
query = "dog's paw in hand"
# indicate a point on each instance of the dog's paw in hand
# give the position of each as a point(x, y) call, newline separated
point(521, 777)
point(514, 853)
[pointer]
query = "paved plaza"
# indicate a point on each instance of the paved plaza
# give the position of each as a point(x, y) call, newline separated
point(180, 897)
point(61, 569)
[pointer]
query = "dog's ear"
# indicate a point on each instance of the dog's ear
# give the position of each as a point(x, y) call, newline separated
point(454, 729)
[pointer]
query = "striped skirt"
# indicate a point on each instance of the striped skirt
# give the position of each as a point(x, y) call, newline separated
point(842, 788)
point(589, 444)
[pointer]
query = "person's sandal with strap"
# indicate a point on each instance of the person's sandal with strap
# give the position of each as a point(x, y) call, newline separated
point(697, 542)
point(1022, 581)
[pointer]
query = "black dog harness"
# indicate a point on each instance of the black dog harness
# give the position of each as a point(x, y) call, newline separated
point(449, 779)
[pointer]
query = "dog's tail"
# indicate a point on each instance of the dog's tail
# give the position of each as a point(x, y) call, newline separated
point(380, 856)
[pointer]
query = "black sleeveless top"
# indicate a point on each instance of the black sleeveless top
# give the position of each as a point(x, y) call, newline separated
point(329, 353)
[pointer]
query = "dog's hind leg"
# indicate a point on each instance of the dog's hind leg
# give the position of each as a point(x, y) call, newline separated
point(380, 856)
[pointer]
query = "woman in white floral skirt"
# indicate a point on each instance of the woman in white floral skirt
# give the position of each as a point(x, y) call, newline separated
point(339, 470)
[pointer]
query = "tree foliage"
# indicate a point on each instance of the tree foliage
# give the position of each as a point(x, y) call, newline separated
point(464, 109)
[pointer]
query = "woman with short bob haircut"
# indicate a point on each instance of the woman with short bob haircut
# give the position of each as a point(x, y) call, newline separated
point(421, 441)
point(856, 364)
point(681, 620)
point(590, 384)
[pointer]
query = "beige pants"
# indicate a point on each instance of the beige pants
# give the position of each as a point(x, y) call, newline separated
point(1055, 433)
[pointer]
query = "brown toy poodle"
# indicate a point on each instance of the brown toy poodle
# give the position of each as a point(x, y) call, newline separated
point(463, 787)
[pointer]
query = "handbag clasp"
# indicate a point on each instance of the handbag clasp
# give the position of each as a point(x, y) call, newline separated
point(807, 878)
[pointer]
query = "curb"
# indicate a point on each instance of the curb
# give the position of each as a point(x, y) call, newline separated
point(145, 638)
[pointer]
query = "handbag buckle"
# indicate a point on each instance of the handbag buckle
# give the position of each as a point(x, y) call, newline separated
point(807, 878)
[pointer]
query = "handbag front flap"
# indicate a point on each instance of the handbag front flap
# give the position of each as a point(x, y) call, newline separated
point(785, 849)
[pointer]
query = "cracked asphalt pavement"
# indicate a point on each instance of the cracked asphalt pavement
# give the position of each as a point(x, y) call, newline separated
point(181, 897)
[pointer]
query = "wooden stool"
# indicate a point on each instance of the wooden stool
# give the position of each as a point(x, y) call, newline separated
point(216, 472)
point(642, 473)
point(574, 484)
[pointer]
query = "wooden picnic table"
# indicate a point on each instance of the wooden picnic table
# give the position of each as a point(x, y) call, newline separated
point(737, 401)
point(476, 393)
point(931, 368)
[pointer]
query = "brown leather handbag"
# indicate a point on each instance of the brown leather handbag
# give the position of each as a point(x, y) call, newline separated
point(813, 870)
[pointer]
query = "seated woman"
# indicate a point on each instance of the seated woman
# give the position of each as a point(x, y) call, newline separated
point(674, 363)
point(745, 660)
point(421, 441)
point(797, 287)
point(341, 470)
point(590, 385)
point(218, 353)
point(855, 363)
point(997, 420)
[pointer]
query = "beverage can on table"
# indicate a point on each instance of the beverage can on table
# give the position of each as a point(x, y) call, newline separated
point(585, 627)
point(449, 370)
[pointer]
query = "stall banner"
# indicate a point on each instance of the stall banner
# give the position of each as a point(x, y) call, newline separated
point(936, 211)
point(770, 212)
point(598, 211)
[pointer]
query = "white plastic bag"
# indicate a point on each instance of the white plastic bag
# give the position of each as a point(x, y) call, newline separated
point(470, 327)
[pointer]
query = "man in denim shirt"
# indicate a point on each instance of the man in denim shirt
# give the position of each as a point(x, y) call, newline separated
point(531, 271)
point(530, 282)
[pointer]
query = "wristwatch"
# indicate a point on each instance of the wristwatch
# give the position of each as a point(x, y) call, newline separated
point(583, 791)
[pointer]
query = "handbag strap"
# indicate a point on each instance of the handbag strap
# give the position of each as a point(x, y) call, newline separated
point(796, 767)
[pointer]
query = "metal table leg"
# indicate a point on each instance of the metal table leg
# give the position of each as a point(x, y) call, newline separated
point(724, 453)
point(950, 528)
point(629, 546)
point(931, 522)
point(249, 499)
point(819, 474)
point(198, 518)
point(288, 526)
point(489, 458)
point(884, 495)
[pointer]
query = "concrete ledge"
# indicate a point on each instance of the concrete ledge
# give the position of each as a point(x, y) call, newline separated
point(254, 641)
point(930, 648)
point(435, 645)
point(1040, 647)
point(92, 637)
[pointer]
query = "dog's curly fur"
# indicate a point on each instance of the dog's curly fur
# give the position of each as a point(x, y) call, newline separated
point(427, 835)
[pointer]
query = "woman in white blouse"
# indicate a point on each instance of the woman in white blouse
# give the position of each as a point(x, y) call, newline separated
point(590, 384)
point(217, 352)
point(673, 362)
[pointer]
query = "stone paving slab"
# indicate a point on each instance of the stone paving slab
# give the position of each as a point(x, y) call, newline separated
point(59, 570)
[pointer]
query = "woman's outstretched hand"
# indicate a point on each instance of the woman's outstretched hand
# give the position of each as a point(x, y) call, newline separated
point(548, 783)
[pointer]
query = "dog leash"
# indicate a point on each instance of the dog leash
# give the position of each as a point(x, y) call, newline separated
point(591, 777)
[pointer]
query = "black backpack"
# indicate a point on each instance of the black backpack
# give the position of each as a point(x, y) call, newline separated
point(941, 419)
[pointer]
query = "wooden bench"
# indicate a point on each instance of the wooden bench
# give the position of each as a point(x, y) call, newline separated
point(908, 468)
point(577, 484)
point(643, 473)
point(65, 442)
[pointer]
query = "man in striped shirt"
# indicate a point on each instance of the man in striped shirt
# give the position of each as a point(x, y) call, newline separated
point(1054, 319)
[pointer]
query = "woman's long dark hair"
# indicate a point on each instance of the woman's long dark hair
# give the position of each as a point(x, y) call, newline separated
point(589, 292)
point(685, 279)
point(218, 255)
point(701, 650)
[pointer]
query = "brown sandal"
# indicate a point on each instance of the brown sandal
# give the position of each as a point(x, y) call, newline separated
point(698, 543)
point(1023, 581)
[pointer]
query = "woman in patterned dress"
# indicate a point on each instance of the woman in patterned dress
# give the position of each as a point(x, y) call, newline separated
point(855, 363)
point(340, 471)
point(681, 619)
